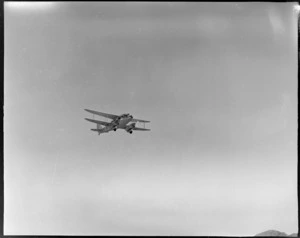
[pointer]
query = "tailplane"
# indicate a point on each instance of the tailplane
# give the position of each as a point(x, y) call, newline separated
point(98, 130)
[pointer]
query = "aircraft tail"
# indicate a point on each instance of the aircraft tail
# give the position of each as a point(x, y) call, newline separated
point(94, 130)
point(99, 131)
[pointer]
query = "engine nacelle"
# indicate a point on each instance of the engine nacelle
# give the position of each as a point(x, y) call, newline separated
point(130, 127)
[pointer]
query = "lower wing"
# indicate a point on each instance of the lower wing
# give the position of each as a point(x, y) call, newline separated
point(140, 129)
point(98, 122)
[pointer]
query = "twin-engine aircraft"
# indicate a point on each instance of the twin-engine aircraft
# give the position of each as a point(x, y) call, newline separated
point(118, 122)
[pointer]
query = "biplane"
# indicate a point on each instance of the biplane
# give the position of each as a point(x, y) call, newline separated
point(124, 121)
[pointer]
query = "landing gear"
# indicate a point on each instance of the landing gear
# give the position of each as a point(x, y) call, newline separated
point(115, 129)
point(130, 132)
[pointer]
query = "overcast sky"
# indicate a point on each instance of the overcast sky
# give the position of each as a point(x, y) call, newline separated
point(218, 81)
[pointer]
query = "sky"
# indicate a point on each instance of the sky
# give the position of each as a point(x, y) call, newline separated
point(218, 81)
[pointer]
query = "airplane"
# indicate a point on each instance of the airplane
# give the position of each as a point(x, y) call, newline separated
point(118, 122)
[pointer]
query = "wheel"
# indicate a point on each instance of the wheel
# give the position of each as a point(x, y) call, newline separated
point(131, 132)
point(115, 129)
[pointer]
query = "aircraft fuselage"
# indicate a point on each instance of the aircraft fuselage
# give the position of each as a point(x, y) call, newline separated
point(123, 122)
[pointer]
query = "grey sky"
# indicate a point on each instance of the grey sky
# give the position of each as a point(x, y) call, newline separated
point(218, 81)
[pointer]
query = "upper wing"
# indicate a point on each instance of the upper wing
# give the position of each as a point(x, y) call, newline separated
point(140, 129)
point(111, 116)
point(98, 122)
point(138, 120)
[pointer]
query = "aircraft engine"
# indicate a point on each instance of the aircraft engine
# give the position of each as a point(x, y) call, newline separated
point(130, 127)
